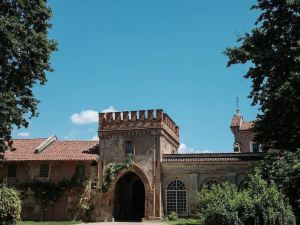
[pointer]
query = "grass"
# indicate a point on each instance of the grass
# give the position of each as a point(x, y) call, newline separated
point(184, 222)
point(47, 223)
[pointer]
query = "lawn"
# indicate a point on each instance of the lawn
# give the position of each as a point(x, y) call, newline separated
point(47, 223)
point(184, 222)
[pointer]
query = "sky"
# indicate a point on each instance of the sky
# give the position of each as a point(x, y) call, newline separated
point(137, 54)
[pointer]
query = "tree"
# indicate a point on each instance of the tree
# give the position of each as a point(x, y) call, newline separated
point(285, 173)
point(272, 50)
point(259, 204)
point(223, 204)
point(10, 205)
point(25, 51)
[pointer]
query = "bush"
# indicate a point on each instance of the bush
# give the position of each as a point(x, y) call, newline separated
point(224, 205)
point(10, 206)
point(259, 204)
point(284, 171)
point(173, 216)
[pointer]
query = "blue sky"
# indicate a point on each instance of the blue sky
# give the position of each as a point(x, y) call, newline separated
point(137, 54)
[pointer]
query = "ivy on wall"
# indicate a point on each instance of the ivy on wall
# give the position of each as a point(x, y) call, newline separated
point(49, 192)
point(112, 169)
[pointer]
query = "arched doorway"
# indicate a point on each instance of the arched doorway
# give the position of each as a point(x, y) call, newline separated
point(129, 198)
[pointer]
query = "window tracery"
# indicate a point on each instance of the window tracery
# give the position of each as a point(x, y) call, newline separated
point(176, 197)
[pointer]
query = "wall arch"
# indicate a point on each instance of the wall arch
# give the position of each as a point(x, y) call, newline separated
point(149, 209)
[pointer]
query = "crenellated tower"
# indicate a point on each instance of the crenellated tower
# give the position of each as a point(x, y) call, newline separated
point(147, 134)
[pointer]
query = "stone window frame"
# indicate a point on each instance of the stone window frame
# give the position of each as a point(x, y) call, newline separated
point(251, 147)
point(169, 193)
point(124, 146)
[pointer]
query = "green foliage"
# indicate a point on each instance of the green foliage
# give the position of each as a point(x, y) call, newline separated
point(284, 171)
point(112, 169)
point(223, 204)
point(259, 204)
point(272, 50)
point(173, 216)
point(24, 60)
point(48, 192)
point(182, 221)
point(10, 206)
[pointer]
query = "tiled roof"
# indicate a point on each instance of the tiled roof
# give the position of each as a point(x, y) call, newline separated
point(25, 150)
point(247, 125)
point(212, 157)
point(235, 121)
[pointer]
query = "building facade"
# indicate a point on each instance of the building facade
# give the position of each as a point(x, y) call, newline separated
point(159, 181)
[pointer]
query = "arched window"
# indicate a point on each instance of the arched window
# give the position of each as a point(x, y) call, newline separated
point(176, 197)
point(208, 183)
point(243, 184)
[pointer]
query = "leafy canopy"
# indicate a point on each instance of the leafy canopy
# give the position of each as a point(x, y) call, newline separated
point(259, 204)
point(285, 173)
point(272, 49)
point(25, 51)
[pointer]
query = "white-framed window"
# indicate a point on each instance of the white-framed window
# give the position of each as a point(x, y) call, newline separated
point(129, 147)
point(255, 147)
point(176, 198)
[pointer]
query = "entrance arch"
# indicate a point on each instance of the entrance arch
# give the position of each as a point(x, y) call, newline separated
point(129, 198)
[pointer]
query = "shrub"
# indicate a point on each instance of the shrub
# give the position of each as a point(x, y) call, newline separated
point(271, 206)
point(10, 206)
point(173, 216)
point(284, 171)
point(224, 205)
point(259, 204)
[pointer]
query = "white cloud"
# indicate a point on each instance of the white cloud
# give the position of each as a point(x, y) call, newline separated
point(23, 134)
point(95, 138)
point(89, 116)
point(85, 117)
point(109, 109)
point(183, 148)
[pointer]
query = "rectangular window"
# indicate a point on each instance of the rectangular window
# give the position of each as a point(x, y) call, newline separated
point(129, 147)
point(12, 170)
point(44, 170)
point(255, 147)
point(80, 171)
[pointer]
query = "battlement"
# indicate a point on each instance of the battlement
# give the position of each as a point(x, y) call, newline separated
point(141, 119)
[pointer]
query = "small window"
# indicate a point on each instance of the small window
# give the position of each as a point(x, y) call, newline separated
point(44, 170)
point(255, 147)
point(12, 170)
point(80, 171)
point(129, 147)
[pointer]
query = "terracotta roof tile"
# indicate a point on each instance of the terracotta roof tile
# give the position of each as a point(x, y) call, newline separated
point(24, 150)
point(247, 125)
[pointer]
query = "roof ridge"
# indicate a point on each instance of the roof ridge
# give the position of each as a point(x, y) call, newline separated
point(15, 139)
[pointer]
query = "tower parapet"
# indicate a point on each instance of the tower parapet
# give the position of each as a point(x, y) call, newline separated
point(138, 120)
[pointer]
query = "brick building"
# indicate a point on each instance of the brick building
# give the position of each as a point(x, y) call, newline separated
point(158, 182)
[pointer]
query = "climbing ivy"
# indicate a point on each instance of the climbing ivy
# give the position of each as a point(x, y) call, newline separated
point(112, 169)
point(48, 192)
